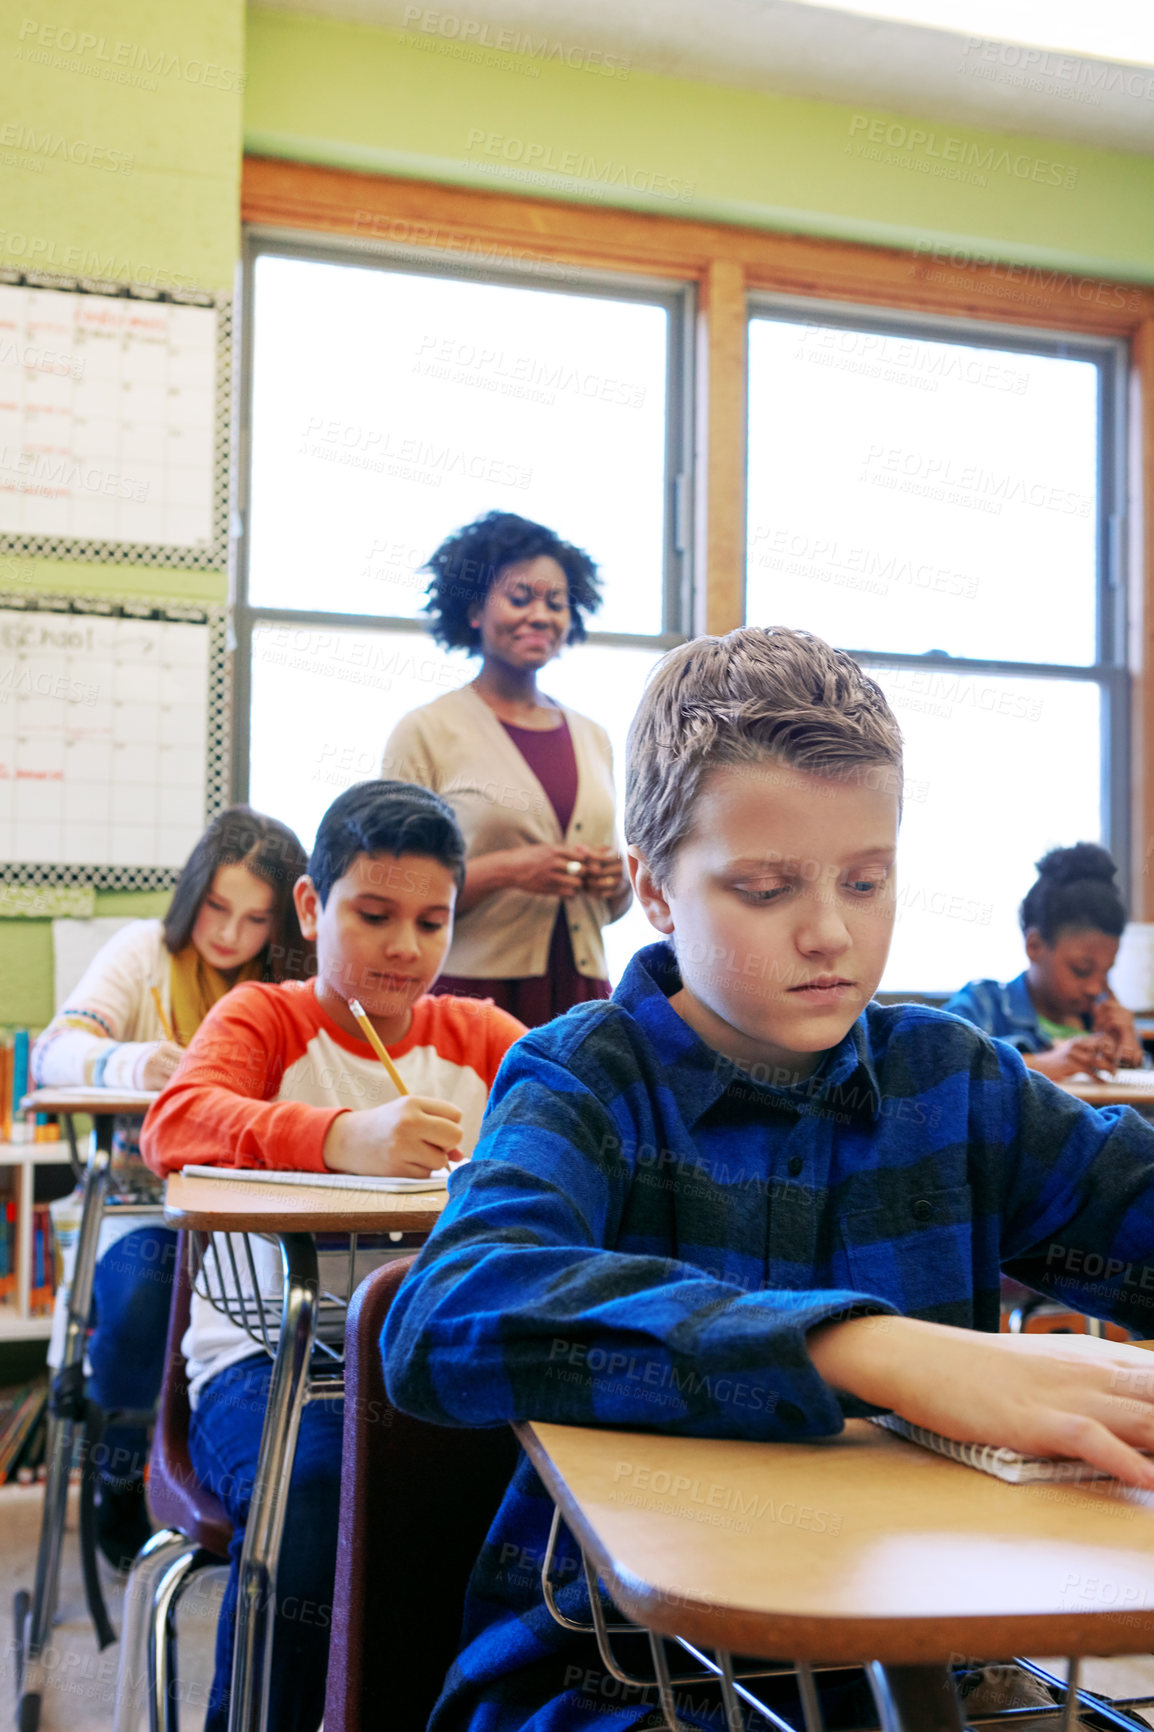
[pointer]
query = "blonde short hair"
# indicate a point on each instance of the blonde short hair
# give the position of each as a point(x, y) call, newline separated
point(762, 692)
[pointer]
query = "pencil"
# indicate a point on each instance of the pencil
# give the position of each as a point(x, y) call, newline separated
point(164, 1022)
point(377, 1045)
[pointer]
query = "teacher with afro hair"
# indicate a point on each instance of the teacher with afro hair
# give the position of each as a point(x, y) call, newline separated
point(531, 782)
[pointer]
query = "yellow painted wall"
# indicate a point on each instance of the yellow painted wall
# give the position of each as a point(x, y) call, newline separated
point(417, 104)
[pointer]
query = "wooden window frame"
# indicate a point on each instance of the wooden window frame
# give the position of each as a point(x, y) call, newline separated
point(725, 263)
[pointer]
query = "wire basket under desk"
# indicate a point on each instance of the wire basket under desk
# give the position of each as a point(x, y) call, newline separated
point(240, 1275)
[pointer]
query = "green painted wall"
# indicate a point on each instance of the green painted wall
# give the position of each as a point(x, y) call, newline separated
point(417, 104)
point(120, 153)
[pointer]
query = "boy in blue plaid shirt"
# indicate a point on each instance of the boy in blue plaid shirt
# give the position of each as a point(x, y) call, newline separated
point(742, 1200)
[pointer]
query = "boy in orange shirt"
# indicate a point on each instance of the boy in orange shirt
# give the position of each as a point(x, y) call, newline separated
point(281, 1076)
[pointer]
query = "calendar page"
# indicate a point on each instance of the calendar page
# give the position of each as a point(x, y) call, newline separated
point(107, 418)
point(104, 739)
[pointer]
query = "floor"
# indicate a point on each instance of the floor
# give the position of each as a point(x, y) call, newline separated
point(82, 1691)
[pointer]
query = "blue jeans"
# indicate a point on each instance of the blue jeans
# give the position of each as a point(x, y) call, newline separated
point(224, 1442)
point(131, 1295)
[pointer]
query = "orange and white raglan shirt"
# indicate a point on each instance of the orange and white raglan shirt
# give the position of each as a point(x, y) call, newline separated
point(263, 1079)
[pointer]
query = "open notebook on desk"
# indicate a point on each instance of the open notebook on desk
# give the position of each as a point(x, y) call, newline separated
point(1136, 1079)
point(325, 1181)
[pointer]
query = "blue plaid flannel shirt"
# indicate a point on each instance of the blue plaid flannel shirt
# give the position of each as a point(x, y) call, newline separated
point(645, 1233)
point(1004, 1009)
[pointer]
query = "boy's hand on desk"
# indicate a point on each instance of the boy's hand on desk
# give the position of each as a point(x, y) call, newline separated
point(1114, 1020)
point(1039, 1394)
point(407, 1139)
point(160, 1064)
point(1084, 1052)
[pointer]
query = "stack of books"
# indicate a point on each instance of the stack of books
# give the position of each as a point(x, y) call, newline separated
point(23, 1428)
point(42, 1276)
point(9, 1237)
point(15, 1126)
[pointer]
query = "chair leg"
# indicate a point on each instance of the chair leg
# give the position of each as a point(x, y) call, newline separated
point(66, 1414)
point(163, 1704)
point(256, 1599)
point(915, 1698)
point(132, 1674)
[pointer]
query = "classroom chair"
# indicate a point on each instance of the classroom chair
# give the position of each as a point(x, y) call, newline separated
point(416, 1503)
point(195, 1533)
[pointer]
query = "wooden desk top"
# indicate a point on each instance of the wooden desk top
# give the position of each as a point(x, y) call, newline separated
point(87, 1100)
point(1110, 1094)
point(229, 1205)
point(858, 1547)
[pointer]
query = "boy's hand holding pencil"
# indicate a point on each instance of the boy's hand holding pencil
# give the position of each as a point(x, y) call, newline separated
point(405, 1139)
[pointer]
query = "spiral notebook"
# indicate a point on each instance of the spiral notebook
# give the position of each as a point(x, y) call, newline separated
point(1004, 1464)
point(322, 1181)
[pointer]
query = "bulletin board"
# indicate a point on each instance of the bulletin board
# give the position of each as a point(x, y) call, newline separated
point(113, 738)
point(114, 419)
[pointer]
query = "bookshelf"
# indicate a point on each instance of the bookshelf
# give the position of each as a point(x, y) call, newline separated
point(21, 1161)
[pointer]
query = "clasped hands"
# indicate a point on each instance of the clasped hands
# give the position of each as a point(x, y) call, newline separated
point(545, 870)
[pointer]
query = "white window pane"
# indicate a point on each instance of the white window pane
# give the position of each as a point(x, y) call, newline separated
point(390, 409)
point(324, 703)
point(997, 771)
point(909, 495)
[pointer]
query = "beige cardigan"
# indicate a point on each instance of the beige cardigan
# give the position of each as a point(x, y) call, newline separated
point(457, 747)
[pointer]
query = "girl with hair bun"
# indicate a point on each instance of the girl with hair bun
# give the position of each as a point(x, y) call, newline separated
point(1060, 1012)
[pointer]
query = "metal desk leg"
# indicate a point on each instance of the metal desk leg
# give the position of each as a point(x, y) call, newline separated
point(915, 1698)
point(66, 1407)
point(252, 1664)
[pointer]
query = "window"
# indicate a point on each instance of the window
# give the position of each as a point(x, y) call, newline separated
point(383, 408)
point(945, 502)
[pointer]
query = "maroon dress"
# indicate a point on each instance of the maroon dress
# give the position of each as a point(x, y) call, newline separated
point(538, 998)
